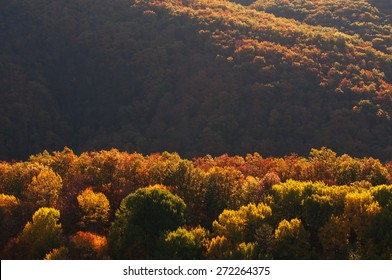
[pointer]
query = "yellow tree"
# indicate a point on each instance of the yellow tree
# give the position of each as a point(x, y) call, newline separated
point(41, 235)
point(288, 198)
point(44, 188)
point(61, 253)
point(241, 225)
point(9, 221)
point(292, 240)
point(94, 208)
point(359, 211)
point(219, 248)
point(235, 232)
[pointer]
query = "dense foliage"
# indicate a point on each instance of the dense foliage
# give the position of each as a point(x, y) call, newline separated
point(195, 76)
point(353, 17)
point(116, 205)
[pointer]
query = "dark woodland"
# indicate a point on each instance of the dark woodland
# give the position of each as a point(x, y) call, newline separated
point(196, 77)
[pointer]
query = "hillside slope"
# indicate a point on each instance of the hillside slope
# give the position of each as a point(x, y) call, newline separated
point(194, 77)
point(353, 17)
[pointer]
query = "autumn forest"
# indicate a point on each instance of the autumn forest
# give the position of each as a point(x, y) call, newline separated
point(117, 205)
point(196, 129)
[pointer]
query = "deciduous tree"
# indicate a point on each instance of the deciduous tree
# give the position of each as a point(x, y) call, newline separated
point(95, 209)
point(44, 188)
point(142, 217)
point(41, 235)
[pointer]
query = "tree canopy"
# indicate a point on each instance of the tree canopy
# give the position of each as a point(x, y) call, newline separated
point(248, 129)
point(116, 205)
point(142, 218)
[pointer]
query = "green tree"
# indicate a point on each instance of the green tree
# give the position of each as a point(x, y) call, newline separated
point(185, 244)
point(41, 235)
point(142, 218)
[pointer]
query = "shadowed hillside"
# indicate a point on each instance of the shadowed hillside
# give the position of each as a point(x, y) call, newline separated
point(195, 77)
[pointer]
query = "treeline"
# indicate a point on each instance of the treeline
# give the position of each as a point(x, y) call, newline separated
point(116, 205)
point(194, 77)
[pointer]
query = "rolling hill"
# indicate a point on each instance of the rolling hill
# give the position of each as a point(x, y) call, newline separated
point(196, 77)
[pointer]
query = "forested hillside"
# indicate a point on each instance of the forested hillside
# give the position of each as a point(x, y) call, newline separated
point(351, 17)
point(196, 77)
point(113, 205)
